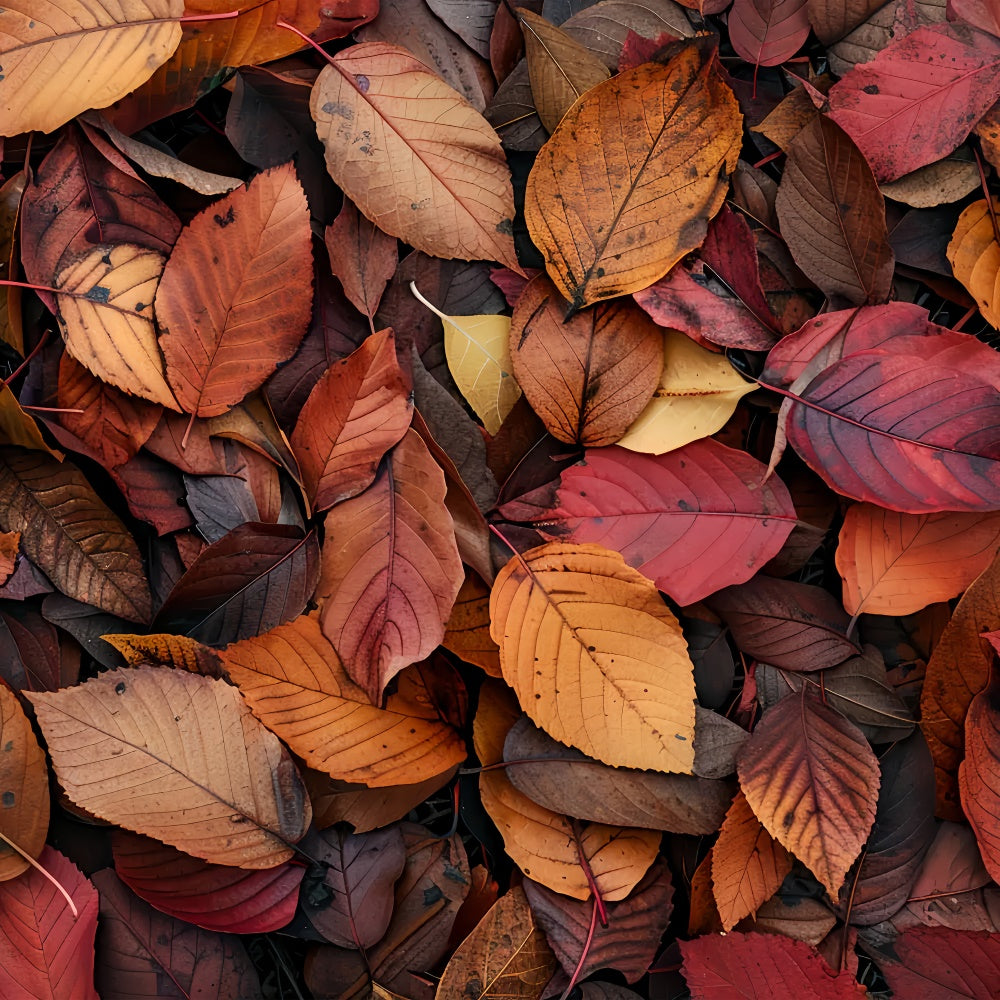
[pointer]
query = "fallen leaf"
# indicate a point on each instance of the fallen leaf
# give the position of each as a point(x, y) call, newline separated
point(977, 774)
point(939, 962)
point(767, 32)
point(362, 257)
point(974, 255)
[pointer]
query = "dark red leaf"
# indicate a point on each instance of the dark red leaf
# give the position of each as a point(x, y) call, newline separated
point(943, 964)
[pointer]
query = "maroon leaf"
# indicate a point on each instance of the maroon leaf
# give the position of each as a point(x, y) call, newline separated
point(767, 32)
point(944, 964)
point(693, 520)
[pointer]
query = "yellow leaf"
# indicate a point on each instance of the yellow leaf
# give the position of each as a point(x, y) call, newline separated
point(697, 394)
point(478, 352)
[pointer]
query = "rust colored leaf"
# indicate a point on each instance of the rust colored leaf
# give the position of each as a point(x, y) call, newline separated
point(896, 564)
point(506, 956)
point(833, 215)
point(748, 865)
point(974, 255)
point(232, 302)
point(48, 950)
point(152, 749)
point(355, 413)
point(979, 773)
point(578, 627)
point(215, 897)
point(391, 125)
point(620, 164)
point(944, 964)
point(832, 19)
point(168, 651)
point(362, 257)
point(767, 32)
point(294, 682)
point(391, 569)
point(812, 780)
point(146, 955)
point(70, 534)
point(467, 633)
point(590, 378)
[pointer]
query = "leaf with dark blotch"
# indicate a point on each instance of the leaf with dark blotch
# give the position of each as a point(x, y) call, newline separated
point(48, 949)
point(679, 517)
point(215, 897)
point(899, 839)
point(628, 944)
point(576, 785)
point(833, 215)
point(787, 624)
point(588, 378)
point(937, 963)
point(812, 780)
point(253, 579)
point(70, 534)
point(349, 900)
point(146, 955)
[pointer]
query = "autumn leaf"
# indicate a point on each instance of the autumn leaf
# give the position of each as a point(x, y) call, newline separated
point(974, 254)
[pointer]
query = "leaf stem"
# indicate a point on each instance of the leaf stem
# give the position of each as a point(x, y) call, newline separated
point(51, 878)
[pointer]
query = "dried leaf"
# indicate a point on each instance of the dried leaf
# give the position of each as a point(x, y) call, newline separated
point(362, 257)
point(974, 255)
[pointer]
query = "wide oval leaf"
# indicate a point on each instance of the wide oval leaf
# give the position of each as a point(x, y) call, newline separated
point(694, 520)
point(48, 950)
point(215, 897)
point(83, 54)
point(397, 136)
point(589, 378)
point(391, 569)
point(294, 682)
point(178, 757)
point(232, 303)
point(627, 183)
point(812, 780)
point(70, 534)
point(767, 32)
point(577, 628)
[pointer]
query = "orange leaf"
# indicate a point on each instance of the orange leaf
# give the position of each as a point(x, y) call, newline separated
point(974, 255)
point(627, 183)
point(896, 564)
point(178, 757)
point(414, 154)
point(167, 650)
point(588, 378)
point(355, 413)
point(579, 628)
point(812, 780)
point(979, 773)
point(748, 866)
point(390, 568)
point(232, 302)
point(467, 634)
point(295, 684)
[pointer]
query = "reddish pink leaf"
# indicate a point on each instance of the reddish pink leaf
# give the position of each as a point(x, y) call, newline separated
point(767, 32)
point(982, 14)
point(216, 897)
point(937, 963)
point(761, 967)
point(48, 954)
point(361, 256)
point(356, 412)
point(919, 97)
point(693, 520)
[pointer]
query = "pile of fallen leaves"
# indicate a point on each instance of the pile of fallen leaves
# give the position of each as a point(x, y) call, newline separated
point(484, 491)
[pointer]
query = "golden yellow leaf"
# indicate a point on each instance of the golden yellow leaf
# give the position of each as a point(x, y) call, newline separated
point(697, 394)
point(975, 258)
point(62, 58)
point(595, 656)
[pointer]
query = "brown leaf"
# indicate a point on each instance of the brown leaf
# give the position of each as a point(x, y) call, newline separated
point(362, 257)
point(232, 302)
point(467, 633)
point(70, 534)
point(978, 773)
point(178, 757)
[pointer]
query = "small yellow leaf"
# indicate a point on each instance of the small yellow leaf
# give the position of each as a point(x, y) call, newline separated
point(478, 353)
point(697, 394)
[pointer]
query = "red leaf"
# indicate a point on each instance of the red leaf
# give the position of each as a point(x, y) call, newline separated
point(761, 967)
point(767, 32)
point(48, 953)
point(919, 97)
point(693, 520)
point(943, 964)
point(215, 897)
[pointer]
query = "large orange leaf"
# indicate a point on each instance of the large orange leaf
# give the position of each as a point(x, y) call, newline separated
point(355, 413)
point(957, 671)
point(812, 780)
point(390, 568)
point(70, 534)
point(595, 656)
point(178, 757)
point(627, 183)
point(896, 564)
point(24, 788)
point(296, 685)
point(974, 255)
point(48, 951)
point(414, 155)
point(232, 302)
point(591, 377)
point(72, 55)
